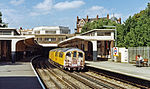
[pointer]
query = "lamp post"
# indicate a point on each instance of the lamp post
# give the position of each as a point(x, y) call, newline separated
point(115, 37)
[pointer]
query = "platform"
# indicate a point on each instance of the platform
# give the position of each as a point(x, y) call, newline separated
point(18, 76)
point(122, 68)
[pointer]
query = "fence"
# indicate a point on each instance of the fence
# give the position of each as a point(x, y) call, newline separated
point(134, 51)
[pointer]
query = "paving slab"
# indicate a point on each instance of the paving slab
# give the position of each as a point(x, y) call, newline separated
point(122, 68)
point(18, 75)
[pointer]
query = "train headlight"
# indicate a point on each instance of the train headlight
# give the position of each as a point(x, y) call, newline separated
point(81, 63)
point(66, 62)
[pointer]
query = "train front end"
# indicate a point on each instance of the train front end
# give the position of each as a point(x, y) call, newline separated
point(75, 60)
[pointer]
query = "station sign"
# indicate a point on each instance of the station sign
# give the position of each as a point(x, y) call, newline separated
point(115, 51)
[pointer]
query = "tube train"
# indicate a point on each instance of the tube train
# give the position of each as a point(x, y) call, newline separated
point(68, 58)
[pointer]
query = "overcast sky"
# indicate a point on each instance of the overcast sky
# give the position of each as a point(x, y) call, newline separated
point(31, 13)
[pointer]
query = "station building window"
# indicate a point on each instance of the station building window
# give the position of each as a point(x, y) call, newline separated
point(50, 32)
point(81, 23)
point(5, 32)
point(53, 39)
point(30, 32)
point(65, 32)
point(37, 32)
point(47, 39)
point(60, 39)
point(103, 33)
point(107, 33)
point(100, 33)
point(93, 34)
point(50, 39)
point(39, 39)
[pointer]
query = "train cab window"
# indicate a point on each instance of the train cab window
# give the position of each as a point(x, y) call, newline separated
point(80, 55)
point(68, 54)
point(74, 54)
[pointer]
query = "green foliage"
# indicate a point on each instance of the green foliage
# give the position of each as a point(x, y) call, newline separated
point(92, 25)
point(97, 25)
point(2, 24)
point(136, 30)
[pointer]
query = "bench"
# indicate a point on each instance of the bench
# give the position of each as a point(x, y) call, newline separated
point(145, 62)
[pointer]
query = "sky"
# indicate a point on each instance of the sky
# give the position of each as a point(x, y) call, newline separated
point(33, 13)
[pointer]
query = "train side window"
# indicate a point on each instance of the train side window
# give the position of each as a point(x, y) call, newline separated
point(80, 54)
point(61, 54)
point(56, 54)
point(74, 54)
point(68, 54)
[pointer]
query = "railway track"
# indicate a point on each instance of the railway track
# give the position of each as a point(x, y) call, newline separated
point(126, 80)
point(52, 79)
point(55, 77)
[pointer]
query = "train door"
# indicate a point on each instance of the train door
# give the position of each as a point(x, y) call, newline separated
point(61, 59)
point(68, 59)
point(56, 55)
point(74, 58)
point(68, 56)
point(80, 58)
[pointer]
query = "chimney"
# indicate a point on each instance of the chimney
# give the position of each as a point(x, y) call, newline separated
point(77, 19)
point(97, 17)
point(87, 18)
point(108, 16)
point(20, 28)
point(119, 20)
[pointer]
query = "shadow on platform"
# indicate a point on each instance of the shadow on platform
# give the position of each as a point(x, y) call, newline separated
point(10, 63)
point(19, 83)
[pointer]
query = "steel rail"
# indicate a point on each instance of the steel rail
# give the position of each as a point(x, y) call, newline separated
point(125, 81)
point(63, 79)
point(100, 81)
point(50, 77)
point(85, 81)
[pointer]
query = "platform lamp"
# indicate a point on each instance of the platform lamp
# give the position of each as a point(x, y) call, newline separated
point(115, 37)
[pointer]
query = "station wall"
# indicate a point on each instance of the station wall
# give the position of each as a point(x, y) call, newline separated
point(5, 50)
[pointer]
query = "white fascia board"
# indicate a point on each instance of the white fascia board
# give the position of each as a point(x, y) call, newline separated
point(9, 37)
point(98, 30)
point(31, 36)
point(49, 45)
point(90, 38)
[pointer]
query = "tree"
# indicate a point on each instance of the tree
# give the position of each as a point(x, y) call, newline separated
point(97, 24)
point(136, 30)
point(2, 24)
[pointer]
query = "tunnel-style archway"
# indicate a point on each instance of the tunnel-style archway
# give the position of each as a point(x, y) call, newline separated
point(26, 48)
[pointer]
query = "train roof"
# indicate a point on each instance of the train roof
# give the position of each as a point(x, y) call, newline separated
point(66, 49)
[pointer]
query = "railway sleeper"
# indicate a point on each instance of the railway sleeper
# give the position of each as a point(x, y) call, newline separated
point(86, 82)
point(61, 80)
point(55, 80)
point(100, 82)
